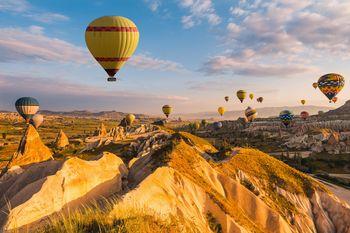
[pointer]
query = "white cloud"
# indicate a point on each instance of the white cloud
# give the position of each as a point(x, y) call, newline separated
point(280, 34)
point(24, 8)
point(21, 44)
point(153, 4)
point(144, 61)
point(199, 10)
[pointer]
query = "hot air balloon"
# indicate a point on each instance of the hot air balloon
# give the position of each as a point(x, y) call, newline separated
point(251, 96)
point(302, 102)
point(27, 107)
point(167, 109)
point(196, 125)
point(314, 85)
point(204, 123)
point(130, 118)
point(221, 110)
point(227, 98)
point(217, 125)
point(335, 99)
point(260, 99)
point(286, 117)
point(331, 85)
point(250, 114)
point(241, 94)
point(37, 120)
point(112, 40)
point(304, 115)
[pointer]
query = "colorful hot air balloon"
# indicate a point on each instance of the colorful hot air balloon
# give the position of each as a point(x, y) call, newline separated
point(302, 102)
point(250, 114)
point(37, 120)
point(167, 109)
point(331, 85)
point(130, 119)
point(204, 123)
point(251, 96)
point(112, 40)
point(221, 111)
point(335, 99)
point(260, 99)
point(241, 95)
point(217, 125)
point(227, 98)
point(314, 85)
point(27, 107)
point(286, 117)
point(304, 115)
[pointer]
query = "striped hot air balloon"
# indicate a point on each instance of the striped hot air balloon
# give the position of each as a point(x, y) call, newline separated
point(250, 114)
point(112, 40)
point(167, 109)
point(331, 84)
point(27, 107)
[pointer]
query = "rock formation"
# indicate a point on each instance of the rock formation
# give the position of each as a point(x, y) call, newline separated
point(61, 140)
point(31, 149)
point(46, 188)
point(101, 131)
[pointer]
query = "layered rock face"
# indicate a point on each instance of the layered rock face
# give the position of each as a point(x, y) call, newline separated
point(178, 174)
point(46, 188)
point(31, 149)
point(61, 140)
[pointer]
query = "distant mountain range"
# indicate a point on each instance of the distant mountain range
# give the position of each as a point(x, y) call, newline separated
point(88, 114)
point(343, 110)
point(262, 112)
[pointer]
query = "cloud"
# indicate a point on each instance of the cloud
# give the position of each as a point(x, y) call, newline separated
point(280, 34)
point(153, 4)
point(56, 94)
point(199, 10)
point(30, 44)
point(25, 9)
point(144, 61)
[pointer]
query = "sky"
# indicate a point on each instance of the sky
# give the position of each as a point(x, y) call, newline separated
point(191, 53)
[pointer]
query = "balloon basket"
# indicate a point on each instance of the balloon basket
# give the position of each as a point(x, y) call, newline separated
point(111, 79)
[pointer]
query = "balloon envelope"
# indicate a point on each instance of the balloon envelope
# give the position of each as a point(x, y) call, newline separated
point(251, 96)
point(204, 122)
point(286, 117)
point(27, 107)
point(250, 114)
point(217, 125)
point(197, 125)
point(302, 102)
point(331, 84)
point(221, 111)
point(37, 120)
point(130, 118)
point(304, 115)
point(112, 40)
point(260, 99)
point(167, 109)
point(314, 85)
point(241, 95)
point(227, 98)
point(335, 99)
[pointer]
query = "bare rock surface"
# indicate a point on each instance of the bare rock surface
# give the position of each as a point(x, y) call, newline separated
point(61, 140)
point(49, 187)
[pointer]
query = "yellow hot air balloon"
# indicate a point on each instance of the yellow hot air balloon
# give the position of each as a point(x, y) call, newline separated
point(241, 95)
point(251, 96)
point(130, 118)
point(302, 102)
point(167, 109)
point(197, 125)
point(221, 110)
point(112, 40)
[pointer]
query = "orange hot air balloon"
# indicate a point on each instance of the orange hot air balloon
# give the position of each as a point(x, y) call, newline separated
point(112, 40)
point(221, 110)
point(335, 99)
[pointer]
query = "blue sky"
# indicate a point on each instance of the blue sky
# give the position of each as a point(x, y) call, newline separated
point(191, 53)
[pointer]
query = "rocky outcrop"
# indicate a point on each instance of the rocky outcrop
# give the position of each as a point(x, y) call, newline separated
point(101, 131)
point(46, 188)
point(61, 140)
point(31, 149)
